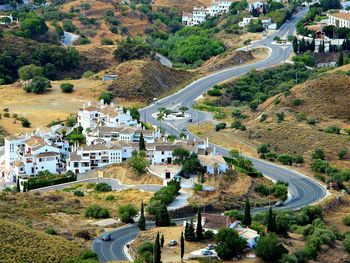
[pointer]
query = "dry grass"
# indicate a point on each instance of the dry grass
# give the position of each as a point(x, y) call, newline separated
point(22, 244)
point(169, 254)
point(62, 210)
point(125, 175)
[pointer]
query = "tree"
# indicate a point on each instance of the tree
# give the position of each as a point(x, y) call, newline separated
point(162, 241)
point(229, 243)
point(271, 226)
point(142, 145)
point(37, 85)
point(142, 220)
point(180, 155)
point(17, 185)
point(157, 251)
point(247, 219)
point(330, 4)
point(183, 109)
point(106, 96)
point(67, 87)
point(132, 48)
point(269, 248)
point(199, 230)
point(247, 42)
point(163, 217)
point(160, 118)
point(295, 45)
point(33, 26)
point(182, 245)
point(139, 162)
point(318, 154)
point(30, 71)
point(126, 213)
point(341, 59)
point(189, 231)
point(25, 122)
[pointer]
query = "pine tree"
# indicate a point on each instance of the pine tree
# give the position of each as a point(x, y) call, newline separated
point(142, 145)
point(182, 244)
point(156, 250)
point(341, 59)
point(312, 46)
point(189, 232)
point(18, 186)
point(162, 241)
point(270, 221)
point(199, 230)
point(247, 219)
point(142, 220)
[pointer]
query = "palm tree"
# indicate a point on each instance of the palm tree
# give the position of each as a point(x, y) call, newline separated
point(183, 109)
point(160, 118)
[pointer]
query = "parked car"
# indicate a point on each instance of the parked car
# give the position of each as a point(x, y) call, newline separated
point(172, 243)
point(206, 252)
point(183, 129)
point(106, 237)
point(279, 203)
point(190, 120)
point(210, 247)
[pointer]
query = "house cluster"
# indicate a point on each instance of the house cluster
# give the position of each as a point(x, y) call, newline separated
point(215, 222)
point(29, 154)
point(200, 13)
point(111, 137)
point(265, 21)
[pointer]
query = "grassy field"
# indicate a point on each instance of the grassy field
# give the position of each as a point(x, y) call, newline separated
point(22, 244)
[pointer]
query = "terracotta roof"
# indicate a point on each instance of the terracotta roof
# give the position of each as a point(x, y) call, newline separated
point(167, 147)
point(18, 163)
point(46, 154)
point(91, 108)
point(215, 222)
point(35, 142)
point(341, 15)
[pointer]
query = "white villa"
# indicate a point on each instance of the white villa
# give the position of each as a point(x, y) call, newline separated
point(339, 19)
point(213, 163)
point(28, 154)
point(100, 114)
point(256, 5)
point(200, 13)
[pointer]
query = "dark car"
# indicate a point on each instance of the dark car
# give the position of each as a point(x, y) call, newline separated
point(206, 252)
point(106, 237)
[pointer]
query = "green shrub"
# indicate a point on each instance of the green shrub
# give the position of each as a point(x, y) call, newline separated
point(262, 189)
point(332, 130)
point(106, 96)
point(301, 116)
point(214, 92)
point(110, 197)
point(197, 187)
point(96, 211)
point(126, 213)
point(208, 234)
point(346, 220)
point(78, 193)
point(346, 243)
point(342, 154)
point(312, 121)
point(220, 126)
point(297, 102)
point(106, 41)
point(88, 74)
point(51, 231)
point(88, 254)
point(263, 117)
point(25, 122)
point(67, 87)
point(103, 187)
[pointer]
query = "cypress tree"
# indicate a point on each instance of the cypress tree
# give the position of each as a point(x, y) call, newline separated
point(156, 251)
point(189, 232)
point(270, 221)
point(163, 217)
point(247, 219)
point(18, 187)
point(295, 45)
point(162, 241)
point(182, 244)
point(142, 220)
point(142, 145)
point(199, 230)
point(341, 59)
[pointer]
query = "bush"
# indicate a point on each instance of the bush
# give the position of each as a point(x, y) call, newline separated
point(214, 92)
point(25, 122)
point(145, 247)
point(262, 189)
point(37, 85)
point(301, 116)
point(51, 231)
point(346, 243)
point(78, 193)
point(88, 254)
point(342, 154)
point(220, 126)
point(106, 41)
point(88, 74)
point(197, 187)
point(110, 197)
point(280, 117)
point(96, 211)
point(67, 87)
point(103, 187)
point(346, 220)
point(30, 71)
point(332, 130)
point(312, 121)
point(106, 96)
point(263, 117)
point(318, 154)
point(84, 234)
point(269, 248)
point(126, 213)
point(132, 48)
point(297, 102)
point(208, 234)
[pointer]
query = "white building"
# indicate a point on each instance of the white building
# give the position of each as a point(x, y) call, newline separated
point(100, 114)
point(256, 5)
point(339, 19)
point(200, 13)
point(251, 236)
point(213, 163)
point(29, 154)
point(102, 134)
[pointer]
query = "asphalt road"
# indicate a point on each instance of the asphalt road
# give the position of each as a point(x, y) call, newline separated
point(302, 189)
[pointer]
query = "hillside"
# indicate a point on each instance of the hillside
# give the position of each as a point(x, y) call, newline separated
point(145, 79)
point(22, 244)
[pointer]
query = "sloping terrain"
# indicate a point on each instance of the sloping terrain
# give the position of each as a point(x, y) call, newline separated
point(181, 5)
point(22, 244)
point(145, 79)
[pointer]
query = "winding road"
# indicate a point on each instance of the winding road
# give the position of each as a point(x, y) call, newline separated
point(302, 189)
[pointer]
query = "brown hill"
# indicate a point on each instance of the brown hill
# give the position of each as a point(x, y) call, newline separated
point(145, 79)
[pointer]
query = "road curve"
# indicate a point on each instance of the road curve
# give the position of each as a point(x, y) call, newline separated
point(302, 189)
